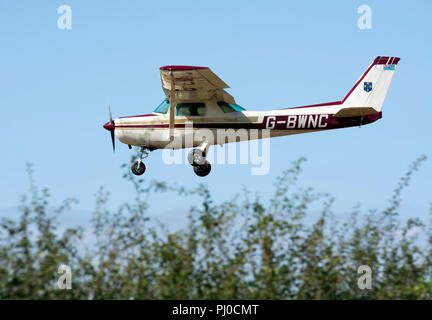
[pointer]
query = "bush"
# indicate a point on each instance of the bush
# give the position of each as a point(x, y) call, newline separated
point(242, 248)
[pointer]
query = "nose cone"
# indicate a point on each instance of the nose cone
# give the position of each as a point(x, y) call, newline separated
point(109, 126)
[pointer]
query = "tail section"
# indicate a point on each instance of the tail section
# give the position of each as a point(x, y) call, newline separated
point(368, 94)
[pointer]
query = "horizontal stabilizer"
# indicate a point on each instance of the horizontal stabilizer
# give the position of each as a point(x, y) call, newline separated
point(355, 112)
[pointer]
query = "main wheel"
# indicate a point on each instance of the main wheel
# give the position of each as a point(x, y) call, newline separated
point(138, 169)
point(202, 170)
point(196, 157)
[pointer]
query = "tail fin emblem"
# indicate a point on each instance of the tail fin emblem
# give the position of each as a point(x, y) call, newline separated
point(367, 86)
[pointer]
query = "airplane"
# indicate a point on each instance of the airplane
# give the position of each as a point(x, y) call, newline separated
point(196, 100)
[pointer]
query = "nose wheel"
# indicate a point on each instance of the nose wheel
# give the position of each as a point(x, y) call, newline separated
point(138, 167)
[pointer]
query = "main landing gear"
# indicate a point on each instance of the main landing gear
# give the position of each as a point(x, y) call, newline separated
point(197, 158)
point(138, 167)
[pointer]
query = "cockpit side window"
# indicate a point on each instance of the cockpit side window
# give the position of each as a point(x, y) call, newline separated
point(190, 109)
point(227, 108)
point(183, 109)
point(163, 107)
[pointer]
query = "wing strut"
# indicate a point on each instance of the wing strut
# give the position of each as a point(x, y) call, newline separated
point(172, 107)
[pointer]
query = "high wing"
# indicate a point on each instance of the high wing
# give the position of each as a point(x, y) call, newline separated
point(193, 83)
point(186, 83)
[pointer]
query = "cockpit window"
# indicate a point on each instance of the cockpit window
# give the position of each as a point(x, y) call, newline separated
point(163, 107)
point(227, 107)
point(190, 109)
point(183, 108)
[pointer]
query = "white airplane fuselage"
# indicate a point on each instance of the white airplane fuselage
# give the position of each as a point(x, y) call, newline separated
point(151, 130)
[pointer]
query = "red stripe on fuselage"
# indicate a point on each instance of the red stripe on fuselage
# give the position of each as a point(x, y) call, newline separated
point(277, 122)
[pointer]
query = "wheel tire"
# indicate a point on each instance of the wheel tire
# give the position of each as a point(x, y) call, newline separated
point(138, 170)
point(202, 170)
point(196, 157)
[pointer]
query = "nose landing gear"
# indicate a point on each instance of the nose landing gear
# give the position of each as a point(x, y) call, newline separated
point(138, 167)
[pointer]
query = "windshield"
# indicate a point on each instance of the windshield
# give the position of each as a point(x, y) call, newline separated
point(163, 107)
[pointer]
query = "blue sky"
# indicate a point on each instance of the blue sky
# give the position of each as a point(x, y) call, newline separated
point(56, 86)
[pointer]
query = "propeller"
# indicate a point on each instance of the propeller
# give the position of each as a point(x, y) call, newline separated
point(110, 126)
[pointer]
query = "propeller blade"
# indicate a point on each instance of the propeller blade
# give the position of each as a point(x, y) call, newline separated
point(113, 140)
point(110, 126)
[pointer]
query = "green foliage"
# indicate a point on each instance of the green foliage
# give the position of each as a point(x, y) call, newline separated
point(242, 248)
